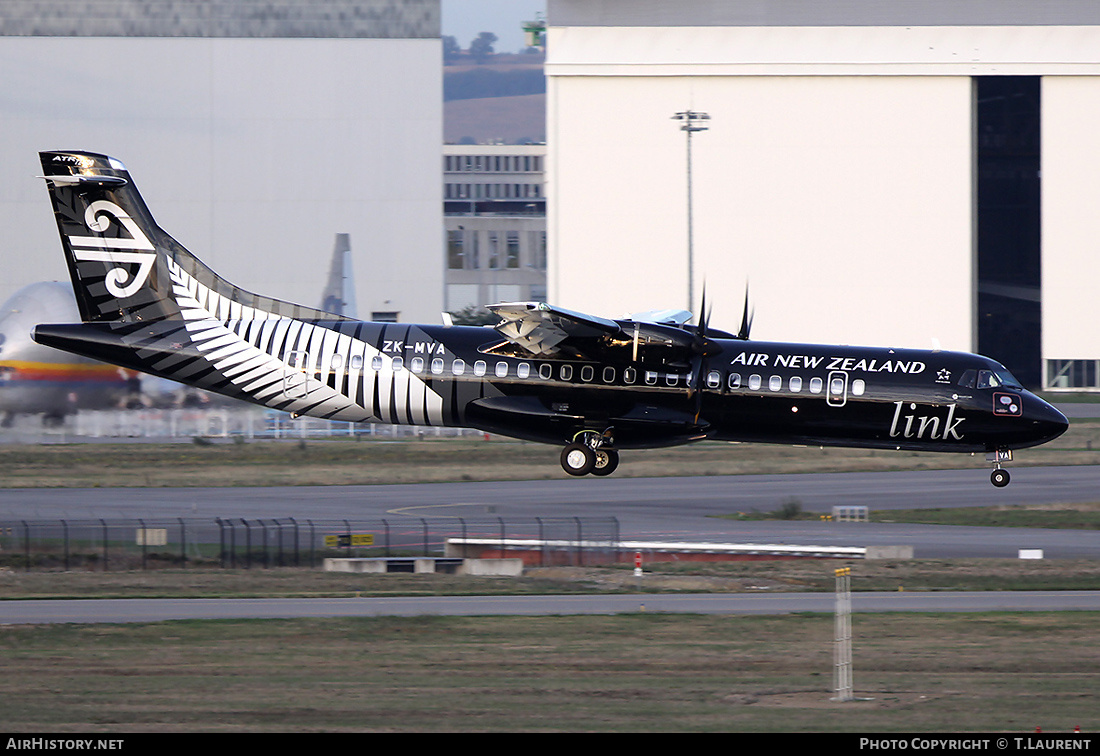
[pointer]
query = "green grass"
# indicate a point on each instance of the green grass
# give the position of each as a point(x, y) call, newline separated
point(1076, 517)
point(625, 673)
point(348, 462)
point(694, 577)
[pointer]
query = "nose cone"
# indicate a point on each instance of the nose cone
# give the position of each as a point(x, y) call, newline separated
point(1045, 422)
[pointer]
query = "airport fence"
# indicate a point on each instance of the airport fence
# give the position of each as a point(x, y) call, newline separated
point(265, 543)
point(243, 422)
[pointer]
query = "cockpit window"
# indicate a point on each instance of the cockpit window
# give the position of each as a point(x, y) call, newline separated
point(1007, 379)
point(989, 379)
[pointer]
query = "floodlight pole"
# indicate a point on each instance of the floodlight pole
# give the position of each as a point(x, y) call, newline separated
point(690, 123)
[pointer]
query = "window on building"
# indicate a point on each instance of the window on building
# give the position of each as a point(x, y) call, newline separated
point(512, 256)
point(456, 255)
point(494, 250)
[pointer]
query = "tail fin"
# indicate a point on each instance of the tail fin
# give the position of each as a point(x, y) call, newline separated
point(120, 261)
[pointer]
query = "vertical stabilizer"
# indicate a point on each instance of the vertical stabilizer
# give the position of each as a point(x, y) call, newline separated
point(339, 294)
point(120, 261)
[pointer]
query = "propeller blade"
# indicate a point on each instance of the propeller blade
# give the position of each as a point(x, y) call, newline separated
point(746, 318)
point(698, 363)
point(704, 315)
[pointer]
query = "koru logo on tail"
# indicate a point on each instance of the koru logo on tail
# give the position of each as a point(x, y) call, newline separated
point(135, 250)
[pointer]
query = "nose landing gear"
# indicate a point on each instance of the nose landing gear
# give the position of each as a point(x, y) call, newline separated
point(1000, 477)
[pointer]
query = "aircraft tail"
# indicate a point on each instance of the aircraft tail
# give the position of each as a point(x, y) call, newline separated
point(124, 267)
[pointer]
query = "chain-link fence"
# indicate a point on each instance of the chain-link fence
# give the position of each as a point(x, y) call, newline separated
point(258, 543)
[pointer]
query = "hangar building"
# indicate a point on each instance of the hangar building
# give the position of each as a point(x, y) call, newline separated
point(894, 174)
point(257, 131)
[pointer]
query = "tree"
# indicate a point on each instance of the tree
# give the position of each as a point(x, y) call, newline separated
point(451, 49)
point(474, 315)
point(482, 47)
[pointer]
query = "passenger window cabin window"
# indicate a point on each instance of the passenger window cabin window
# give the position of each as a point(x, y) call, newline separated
point(714, 379)
point(523, 370)
point(376, 363)
point(480, 367)
point(816, 384)
point(796, 384)
point(336, 361)
point(398, 363)
point(859, 386)
point(775, 383)
point(671, 379)
point(650, 378)
point(630, 375)
point(437, 366)
point(754, 382)
point(609, 374)
point(546, 371)
point(501, 370)
point(566, 372)
point(587, 373)
point(416, 364)
point(356, 362)
point(734, 381)
point(458, 367)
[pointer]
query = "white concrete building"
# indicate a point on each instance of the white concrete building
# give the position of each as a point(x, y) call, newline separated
point(256, 131)
point(870, 169)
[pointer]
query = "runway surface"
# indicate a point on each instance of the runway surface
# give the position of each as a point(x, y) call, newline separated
point(685, 509)
point(156, 610)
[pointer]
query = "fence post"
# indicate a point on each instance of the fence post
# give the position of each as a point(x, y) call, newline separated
point(26, 546)
point(183, 543)
point(144, 544)
point(65, 538)
point(267, 555)
point(247, 544)
point(105, 552)
point(312, 544)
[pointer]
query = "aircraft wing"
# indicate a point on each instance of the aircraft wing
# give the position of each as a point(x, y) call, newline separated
point(539, 328)
point(542, 329)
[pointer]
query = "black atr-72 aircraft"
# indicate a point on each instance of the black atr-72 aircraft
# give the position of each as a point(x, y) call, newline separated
point(591, 385)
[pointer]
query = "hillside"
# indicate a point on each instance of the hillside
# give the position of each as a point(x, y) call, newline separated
point(501, 100)
point(510, 120)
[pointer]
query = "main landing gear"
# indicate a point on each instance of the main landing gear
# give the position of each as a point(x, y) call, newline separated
point(590, 452)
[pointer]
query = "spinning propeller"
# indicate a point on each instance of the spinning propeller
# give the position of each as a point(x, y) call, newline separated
point(703, 347)
point(746, 318)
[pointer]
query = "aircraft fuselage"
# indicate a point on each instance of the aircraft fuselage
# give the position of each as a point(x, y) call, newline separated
point(751, 391)
point(543, 373)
